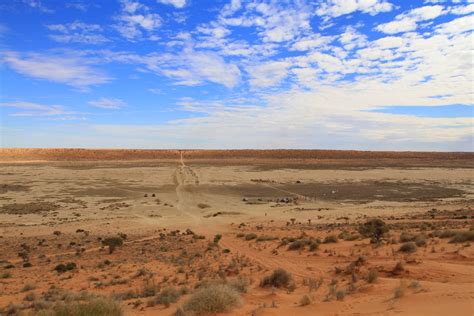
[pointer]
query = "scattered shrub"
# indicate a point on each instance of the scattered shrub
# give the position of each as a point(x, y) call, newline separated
point(96, 307)
point(216, 298)
point(372, 276)
point(250, 236)
point(28, 287)
point(347, 236)
point(463, 237)
point(400, 291)
point(408, 247)
point(217, 238)
point(420, 240)
point(168, 295)
point(305, 300)
point(112, 243)
point(399, 268)
point(6, 275)
point(240, 284)
point(414, 285)
point(60, 268)
point(279, 278)
point(374, 229)
point(330, 239)
point(406, 237)
point(340, 295)
point(265, 238)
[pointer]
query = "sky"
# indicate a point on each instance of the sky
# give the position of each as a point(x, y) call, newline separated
point(328, 74)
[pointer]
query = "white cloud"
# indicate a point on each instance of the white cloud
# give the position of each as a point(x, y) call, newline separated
point(351, 39)
point(176, 3)
point(72, 70)
point(214, 31)
point(232, 7)
point(335, 8)
point(409, 21)
point(274, 21)
point(462, 10)
point(268, 74)
point(31, 109)
point(136, 22)
point(78, 5)
point(108, 103)
point(77, 32)
point(457, 26)
point(38, 5)
point(310, 42)
point(193, 67)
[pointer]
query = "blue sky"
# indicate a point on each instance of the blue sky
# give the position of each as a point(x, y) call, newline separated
point(335, 74)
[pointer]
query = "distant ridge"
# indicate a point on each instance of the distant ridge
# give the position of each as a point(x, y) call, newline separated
point(78, 154)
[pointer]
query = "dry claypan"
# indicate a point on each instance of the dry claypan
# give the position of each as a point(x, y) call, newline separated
point(235, 232)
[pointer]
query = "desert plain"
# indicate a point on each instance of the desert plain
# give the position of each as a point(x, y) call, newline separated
point(264, 232)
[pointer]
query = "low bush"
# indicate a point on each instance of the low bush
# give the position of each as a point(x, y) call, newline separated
point(112, 243)
point(250, 236)
point(168, 295)
point(463, 237)
point(279, 278)
point(305, 300)
point(420, 240)
point(60, 268)
point(372, 276)
point(406, 237)
point(399, 268)
point(96, 307)
point(408, 247)
point(212, 299)
point(330, 239)
point(265, 238)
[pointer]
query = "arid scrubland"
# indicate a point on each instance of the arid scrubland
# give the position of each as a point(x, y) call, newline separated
point(239, 233)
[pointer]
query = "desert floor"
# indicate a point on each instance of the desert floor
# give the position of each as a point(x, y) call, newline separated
point(167, 213)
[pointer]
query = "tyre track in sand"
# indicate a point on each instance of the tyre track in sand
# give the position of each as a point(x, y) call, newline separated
point(185, 177)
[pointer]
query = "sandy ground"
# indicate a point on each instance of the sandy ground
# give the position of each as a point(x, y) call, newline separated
point(150, 201)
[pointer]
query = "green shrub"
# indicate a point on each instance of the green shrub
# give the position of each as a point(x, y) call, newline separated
point(313, 245)
point(330, 239)
point(6, 275)
point(372, 276)
point(374, 229)
point(406, 237)
point(420, 240)
point(60, 268)
point(279, 278)
point(446, 233)
point(217, 238)
point(297, 245)
point(463, 237)
point(112, 243)
point(212, 299)
point(305, 300)
point(340, 295)
point(266, 238)
point(399, 268)
point(240, 284)
point(168, 295)
point(96, 307)
point(250, 236)
point(347, 236)
point(408, 247)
